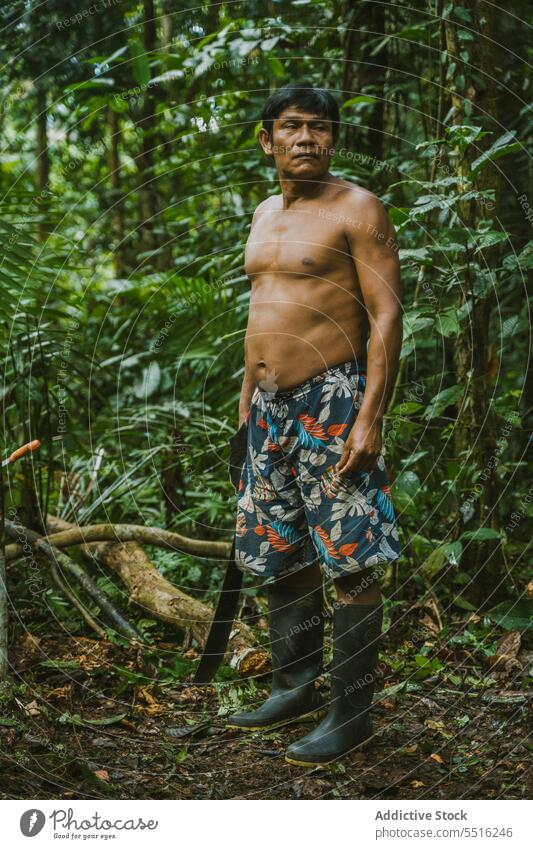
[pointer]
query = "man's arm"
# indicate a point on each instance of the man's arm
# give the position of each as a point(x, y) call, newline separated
point(247, 390)
point(375, 253)
point(248, 385)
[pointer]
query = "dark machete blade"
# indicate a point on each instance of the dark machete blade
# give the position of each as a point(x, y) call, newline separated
point(217, 641)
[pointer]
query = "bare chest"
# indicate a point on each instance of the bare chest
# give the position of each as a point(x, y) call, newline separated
point(296, 243)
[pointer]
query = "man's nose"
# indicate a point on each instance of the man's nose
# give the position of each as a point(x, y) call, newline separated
point(305, 136)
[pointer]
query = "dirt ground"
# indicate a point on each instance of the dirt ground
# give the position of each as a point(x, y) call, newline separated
point(82, 718)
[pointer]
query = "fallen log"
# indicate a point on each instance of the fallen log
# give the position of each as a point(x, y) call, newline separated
point(158, 597)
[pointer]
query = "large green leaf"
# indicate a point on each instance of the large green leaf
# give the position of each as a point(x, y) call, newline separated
point(95, 82)
point(442, 400)
point(513, 615)
point(482, 534)
point(447, 322)
point(361, 98)
point(506, 144)
point(434, 562)
point(404, 490)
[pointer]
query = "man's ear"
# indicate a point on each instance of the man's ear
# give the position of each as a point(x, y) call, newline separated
point(264, 141)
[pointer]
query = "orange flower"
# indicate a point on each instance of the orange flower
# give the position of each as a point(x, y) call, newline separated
point(259, 529)
point(348, 548)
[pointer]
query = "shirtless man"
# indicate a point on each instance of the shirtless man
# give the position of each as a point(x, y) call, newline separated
point(322, 259)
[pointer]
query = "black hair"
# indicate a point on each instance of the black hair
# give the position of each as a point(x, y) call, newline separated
point(319, 101)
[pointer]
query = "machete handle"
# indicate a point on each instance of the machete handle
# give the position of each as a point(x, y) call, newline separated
point(24, 449)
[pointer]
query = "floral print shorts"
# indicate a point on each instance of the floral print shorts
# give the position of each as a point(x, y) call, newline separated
point(293, 508)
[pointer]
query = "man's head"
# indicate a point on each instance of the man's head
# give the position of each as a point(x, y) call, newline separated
point(300, 128)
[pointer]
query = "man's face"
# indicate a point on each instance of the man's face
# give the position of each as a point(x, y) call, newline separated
point(301, 143)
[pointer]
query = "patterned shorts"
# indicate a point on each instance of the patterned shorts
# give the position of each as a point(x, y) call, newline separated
point(293, 508)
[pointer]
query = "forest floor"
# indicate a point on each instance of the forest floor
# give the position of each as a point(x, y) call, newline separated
point(81, 718)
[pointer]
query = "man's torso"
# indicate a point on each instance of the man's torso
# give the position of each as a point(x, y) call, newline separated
point(306, 308)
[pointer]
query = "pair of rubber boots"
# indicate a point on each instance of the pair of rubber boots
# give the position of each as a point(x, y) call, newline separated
point(296, 625)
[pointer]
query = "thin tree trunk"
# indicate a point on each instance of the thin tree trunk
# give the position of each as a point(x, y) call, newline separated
point(349, 67)
point(377, 76)
point(42, 157)
point(146, 158)
point(513, 38)
point(167, 23)
point(475, 432)
point(118, 226)
point(170, 183)
point(212, 12)
point(364, 73)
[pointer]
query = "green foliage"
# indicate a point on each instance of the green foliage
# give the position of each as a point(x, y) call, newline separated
point(513, 615)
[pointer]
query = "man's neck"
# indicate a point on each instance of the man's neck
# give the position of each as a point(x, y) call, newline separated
point(295, 190)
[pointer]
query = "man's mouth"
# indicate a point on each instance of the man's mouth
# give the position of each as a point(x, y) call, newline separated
point(305, 155)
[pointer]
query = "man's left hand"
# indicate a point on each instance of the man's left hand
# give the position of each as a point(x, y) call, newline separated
point(361, 449)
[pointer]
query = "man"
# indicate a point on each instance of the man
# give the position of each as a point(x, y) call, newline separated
point(323, 263)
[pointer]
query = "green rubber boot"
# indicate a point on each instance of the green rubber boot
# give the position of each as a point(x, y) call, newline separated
point(296, 627)
point(356, 633)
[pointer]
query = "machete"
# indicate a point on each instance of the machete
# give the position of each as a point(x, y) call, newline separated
point(228, 600)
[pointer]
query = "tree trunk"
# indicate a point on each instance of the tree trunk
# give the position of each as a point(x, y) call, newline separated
point(146, 158)
point(513, 40)
point(173, 90)
point(475, 432)
point(212, 13)
point(42, 157)
point(118, 228)
point(364, 73)
point(349, 68)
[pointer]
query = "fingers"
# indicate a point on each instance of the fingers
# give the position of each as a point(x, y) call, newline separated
point(356, 461)
point(344, 460)
point(353, 462)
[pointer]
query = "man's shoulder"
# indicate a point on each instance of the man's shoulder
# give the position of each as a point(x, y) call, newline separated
point(271, 202)
point(353, 203)
point(356, 197)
